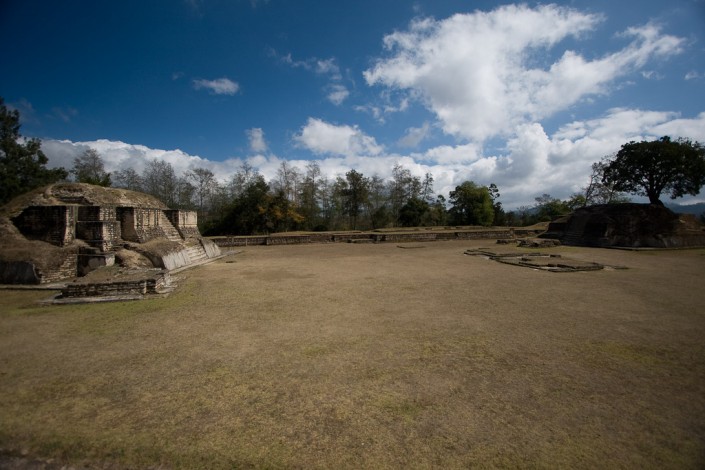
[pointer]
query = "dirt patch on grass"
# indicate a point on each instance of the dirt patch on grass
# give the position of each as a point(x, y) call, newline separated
point(369, 356)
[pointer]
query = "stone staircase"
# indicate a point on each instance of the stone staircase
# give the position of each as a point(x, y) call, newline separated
point(575, 231)
point(196, 252)
point(66, 270)
point(170, 232)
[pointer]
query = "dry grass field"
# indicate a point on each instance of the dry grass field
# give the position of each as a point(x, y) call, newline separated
point(367, 356)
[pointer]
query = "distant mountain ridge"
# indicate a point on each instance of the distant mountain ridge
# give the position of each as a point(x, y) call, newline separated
point(696, 209)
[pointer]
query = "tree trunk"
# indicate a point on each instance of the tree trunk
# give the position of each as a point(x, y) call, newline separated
point(654, 199)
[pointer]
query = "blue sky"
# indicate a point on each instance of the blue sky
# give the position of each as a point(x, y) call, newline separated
point(526, 96)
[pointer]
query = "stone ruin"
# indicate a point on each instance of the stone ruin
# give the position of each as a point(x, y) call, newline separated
point(550, 262)
point(66, 231)
point(629, 226)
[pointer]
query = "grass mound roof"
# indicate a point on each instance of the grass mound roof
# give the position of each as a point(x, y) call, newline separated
point(80, 194)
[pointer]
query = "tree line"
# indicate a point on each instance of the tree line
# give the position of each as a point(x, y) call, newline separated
point(296, 200)
point(309, 201)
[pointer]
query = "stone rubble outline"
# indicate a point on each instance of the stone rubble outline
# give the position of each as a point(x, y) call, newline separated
point(552, 262)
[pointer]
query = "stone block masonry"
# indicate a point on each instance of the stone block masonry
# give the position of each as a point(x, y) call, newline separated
point(66, 268)
point(377, 237)
point(67, 230)
point(143, 224)
point(152, 284)
point(186, 222)
point(98, 226)
point(51, 224)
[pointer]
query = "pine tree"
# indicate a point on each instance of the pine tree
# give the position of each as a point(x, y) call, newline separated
point(22, 163)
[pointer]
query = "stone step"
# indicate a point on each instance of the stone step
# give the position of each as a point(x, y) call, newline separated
point(168, 228)
point(66, 270)
point(574, 234)
point(196, 253)
point(572, 237)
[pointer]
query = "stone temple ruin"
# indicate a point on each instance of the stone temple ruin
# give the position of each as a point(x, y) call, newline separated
point(71, 230)
point(627, 225)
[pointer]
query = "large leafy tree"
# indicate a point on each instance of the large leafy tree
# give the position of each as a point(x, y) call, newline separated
point(471, 205)
point(402, 187)
point(412, 213)
point(309, 196)
point(650, 168)
point(597, 192)
point(500, 217)
point(205, 185)
point(89, 168)
point(159, 179)
point(548, 208)
point(250, 209)
point(355, 194)
point(128, 179)
point(22, 163)
point(280, 212)
point(248, 213)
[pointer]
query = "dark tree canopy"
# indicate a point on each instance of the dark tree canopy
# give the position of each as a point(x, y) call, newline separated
point(650, 168)
point(548, 208)
point(471, 205)
point(247, 213)
point(22, 163)
point(411, 214)
point(355, 195)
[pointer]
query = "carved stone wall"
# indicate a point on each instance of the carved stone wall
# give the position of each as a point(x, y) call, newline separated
point(66, 230)
point(626, 225)
point(400, 237)
point(150, 285)
point(186, 222)
point(140, 224)
point(98, 226)
point(66, 268)
point(52, 224)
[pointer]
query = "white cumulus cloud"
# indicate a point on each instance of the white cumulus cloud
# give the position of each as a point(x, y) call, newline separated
point(256, 140)
point(323, 138)
point(414, 135)
point(482, 74)
point(327, 67)
point(337, 94)
point(219, 86)
point(120, 155)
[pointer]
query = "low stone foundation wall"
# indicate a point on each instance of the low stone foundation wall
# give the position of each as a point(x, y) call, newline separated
point(288, 240)
point(407, 237)
point(352, 237)
point(376, 237)
point(152, 284)
point(484, 234)
point(227, 242)
point(523, 233)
